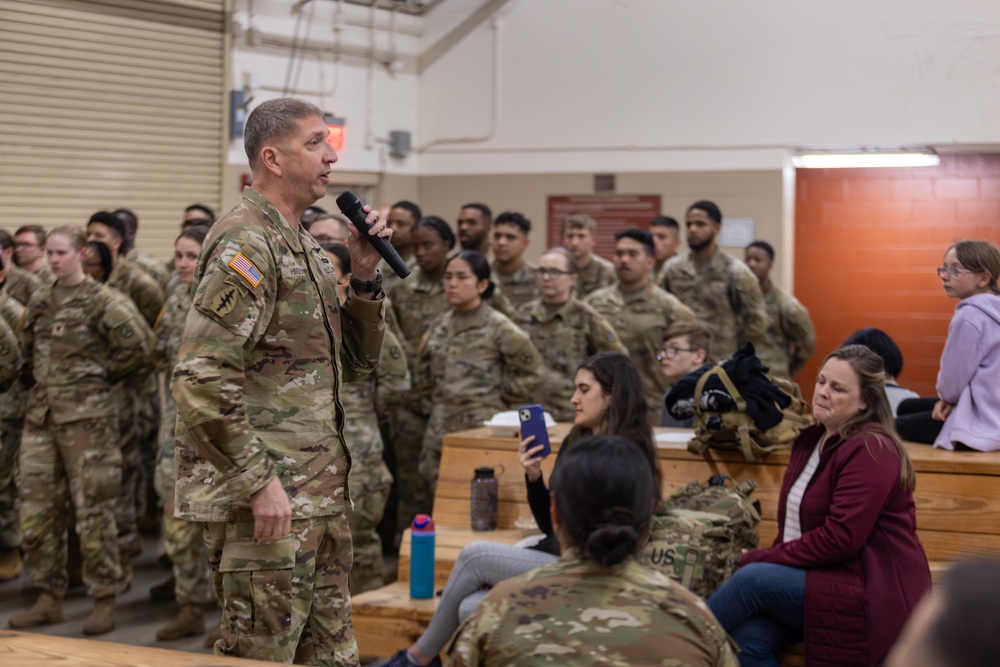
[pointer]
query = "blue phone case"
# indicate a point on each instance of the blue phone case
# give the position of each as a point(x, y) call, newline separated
point(533, 423)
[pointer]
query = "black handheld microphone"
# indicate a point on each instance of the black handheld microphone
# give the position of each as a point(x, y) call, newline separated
point(351, 207)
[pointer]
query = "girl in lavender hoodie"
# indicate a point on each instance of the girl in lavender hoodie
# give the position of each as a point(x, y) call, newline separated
point(967, 410)
point(968, 383)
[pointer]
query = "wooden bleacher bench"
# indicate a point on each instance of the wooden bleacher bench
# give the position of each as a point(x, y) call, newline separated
point(29, 649)
point(958, 513)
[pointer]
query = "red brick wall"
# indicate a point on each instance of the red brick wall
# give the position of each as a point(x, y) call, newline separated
point(866, 245)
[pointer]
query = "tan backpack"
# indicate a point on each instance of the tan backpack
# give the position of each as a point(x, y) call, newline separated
point(737, 430)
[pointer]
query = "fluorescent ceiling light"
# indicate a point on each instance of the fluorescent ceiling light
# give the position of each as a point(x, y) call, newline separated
point(863, 160)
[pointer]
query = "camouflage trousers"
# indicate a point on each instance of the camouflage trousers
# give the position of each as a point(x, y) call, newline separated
point(125, 506)
point(59, 462)
point(182, 540)
point(415, 493)
point(287, 601)
point(147, 428)
point(10, 445)
point(370, 483)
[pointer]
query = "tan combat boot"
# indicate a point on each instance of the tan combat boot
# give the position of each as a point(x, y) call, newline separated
point(47, 609)
point(214, 635)
point(164, 592)
point(102, 619)
point(190, 620)
point(10, 564)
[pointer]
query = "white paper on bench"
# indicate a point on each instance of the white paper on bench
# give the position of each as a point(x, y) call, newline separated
point(674, 439)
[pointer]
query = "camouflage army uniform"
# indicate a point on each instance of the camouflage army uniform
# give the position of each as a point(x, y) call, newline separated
point(21, 285)
point(576, 612)
point(379, 393)
point(255, 403)
point(389, 277)
point(473, 365)
point(10, 356)
point(519, 287)
point(790, 339)
point(566, 335)
point(153, 267)
point(599, 273)
point(13, 403)
point(45, 274)
point(724, 294)
point(77, 342)
point(182, 539)
point(417, 302)
point(138, 412)
point(640, 318)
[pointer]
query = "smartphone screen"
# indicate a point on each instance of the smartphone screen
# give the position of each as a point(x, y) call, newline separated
point(533, 423)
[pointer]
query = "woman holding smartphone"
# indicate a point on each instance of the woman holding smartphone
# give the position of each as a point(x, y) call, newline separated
point(608, 400)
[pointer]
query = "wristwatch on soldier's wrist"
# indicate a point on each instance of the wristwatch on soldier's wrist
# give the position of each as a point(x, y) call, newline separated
point(367, 285)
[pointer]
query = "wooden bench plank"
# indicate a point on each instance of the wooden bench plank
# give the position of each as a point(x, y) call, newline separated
point(387, 620)
point(27, 649)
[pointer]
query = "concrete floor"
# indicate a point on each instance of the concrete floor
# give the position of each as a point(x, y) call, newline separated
point(139, 617)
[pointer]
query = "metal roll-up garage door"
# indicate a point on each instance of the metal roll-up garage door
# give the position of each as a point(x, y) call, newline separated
point(107, 104)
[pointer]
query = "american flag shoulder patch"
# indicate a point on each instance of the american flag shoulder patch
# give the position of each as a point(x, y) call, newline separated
point(243, 266)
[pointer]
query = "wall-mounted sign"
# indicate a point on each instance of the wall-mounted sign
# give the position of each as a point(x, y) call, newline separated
point(612, 213)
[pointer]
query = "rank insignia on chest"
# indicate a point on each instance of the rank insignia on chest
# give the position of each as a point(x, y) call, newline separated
point(243, 266)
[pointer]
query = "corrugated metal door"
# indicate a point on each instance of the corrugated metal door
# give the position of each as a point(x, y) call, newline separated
point(107, 104)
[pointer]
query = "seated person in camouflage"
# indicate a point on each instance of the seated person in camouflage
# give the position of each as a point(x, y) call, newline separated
point(597, 604)
point(686, 348)
point(260, 453)
point(564, 329)
point(514, 275)
point(790, 339)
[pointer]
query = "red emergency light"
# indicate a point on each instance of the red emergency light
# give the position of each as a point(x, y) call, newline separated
point(338, 131)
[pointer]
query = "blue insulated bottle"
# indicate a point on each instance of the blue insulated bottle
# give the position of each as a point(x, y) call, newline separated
point(422, 558)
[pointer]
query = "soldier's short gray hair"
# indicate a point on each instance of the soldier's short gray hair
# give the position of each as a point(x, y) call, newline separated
point(273, 121)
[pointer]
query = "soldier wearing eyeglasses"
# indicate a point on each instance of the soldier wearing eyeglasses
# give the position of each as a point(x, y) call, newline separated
point(564, 329)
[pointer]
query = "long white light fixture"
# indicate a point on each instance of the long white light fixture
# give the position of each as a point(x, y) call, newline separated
point(865, 160)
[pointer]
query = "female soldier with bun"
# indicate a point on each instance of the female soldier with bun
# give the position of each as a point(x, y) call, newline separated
point(597, 604)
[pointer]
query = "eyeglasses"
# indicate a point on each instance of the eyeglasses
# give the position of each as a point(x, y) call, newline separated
point(671, 352)
point(551, 273)
point(22, 244)
point(952, 271)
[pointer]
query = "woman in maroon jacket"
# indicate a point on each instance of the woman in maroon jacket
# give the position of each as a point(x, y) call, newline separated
point(847, 567)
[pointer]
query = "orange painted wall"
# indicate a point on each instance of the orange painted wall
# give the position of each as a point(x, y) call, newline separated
point(866, 245)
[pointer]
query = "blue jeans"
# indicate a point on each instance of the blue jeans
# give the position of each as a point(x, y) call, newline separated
point(762, 607)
